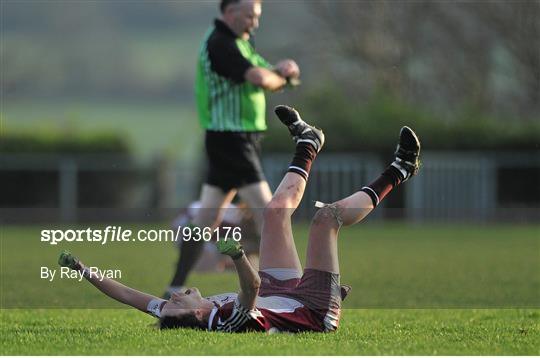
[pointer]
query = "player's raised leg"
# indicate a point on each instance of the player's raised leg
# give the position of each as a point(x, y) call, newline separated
point(322, 246)
point(277, 248)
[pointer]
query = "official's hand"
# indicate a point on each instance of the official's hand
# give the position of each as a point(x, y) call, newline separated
point(293, 82)
point(67, 259)
point(230, 248)
point(288, 69)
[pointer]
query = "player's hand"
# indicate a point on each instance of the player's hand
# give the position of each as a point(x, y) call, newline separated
point(230, 248)
point(67, 259)
point(288, 69)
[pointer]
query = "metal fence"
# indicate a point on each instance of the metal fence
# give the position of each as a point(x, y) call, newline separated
point(332, 177)
point(451, 186)
point(143, 186)
point(467, 186)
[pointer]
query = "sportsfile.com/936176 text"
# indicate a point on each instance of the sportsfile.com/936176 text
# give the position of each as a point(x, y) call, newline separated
point(119, 234)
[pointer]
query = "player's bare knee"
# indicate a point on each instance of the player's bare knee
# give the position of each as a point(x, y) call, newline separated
point(276, 210)
point(323, 216)
point(279, 202)
point(328, 216)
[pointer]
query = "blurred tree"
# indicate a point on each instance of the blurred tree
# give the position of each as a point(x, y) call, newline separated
point(443, 53)
point(482, 56)
point(516, 24)
point(367, 32)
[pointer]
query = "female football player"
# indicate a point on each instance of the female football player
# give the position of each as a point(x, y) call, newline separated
point(281, 296)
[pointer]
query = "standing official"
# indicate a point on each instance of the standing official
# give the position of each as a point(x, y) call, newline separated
point(230, 84)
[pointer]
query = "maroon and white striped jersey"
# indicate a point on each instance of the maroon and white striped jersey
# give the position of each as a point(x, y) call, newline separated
point(271, 314)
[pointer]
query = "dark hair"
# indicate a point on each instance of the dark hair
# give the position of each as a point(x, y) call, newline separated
point(186, 320)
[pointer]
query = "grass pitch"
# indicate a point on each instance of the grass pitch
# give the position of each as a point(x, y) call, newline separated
point(371, 332)
point(449, 290)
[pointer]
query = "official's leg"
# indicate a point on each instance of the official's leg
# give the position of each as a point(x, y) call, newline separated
point(256, 196)
point(232, 161)
point(277, 248)
point(213, 202)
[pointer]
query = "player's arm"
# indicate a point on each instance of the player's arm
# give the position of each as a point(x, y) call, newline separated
point(248, 277)
point(111, 288)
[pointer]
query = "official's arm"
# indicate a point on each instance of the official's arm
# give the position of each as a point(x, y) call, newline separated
point(264, 78)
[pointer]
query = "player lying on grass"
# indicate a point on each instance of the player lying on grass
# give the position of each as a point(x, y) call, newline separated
point(282, 296)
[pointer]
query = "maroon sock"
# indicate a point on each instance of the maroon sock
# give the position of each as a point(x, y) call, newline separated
point(383, 185)
point(303, 157)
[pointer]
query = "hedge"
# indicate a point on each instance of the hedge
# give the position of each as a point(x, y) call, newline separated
point(373, 125)
point(63, 142)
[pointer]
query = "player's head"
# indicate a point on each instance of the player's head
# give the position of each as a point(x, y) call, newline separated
point(186, 309)
point(242, 16)
point(186, 320)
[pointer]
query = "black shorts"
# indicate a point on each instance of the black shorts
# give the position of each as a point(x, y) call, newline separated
point(233, 159)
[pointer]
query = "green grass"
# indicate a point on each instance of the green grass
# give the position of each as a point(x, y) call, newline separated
point(417, 290)
point(362, 332)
